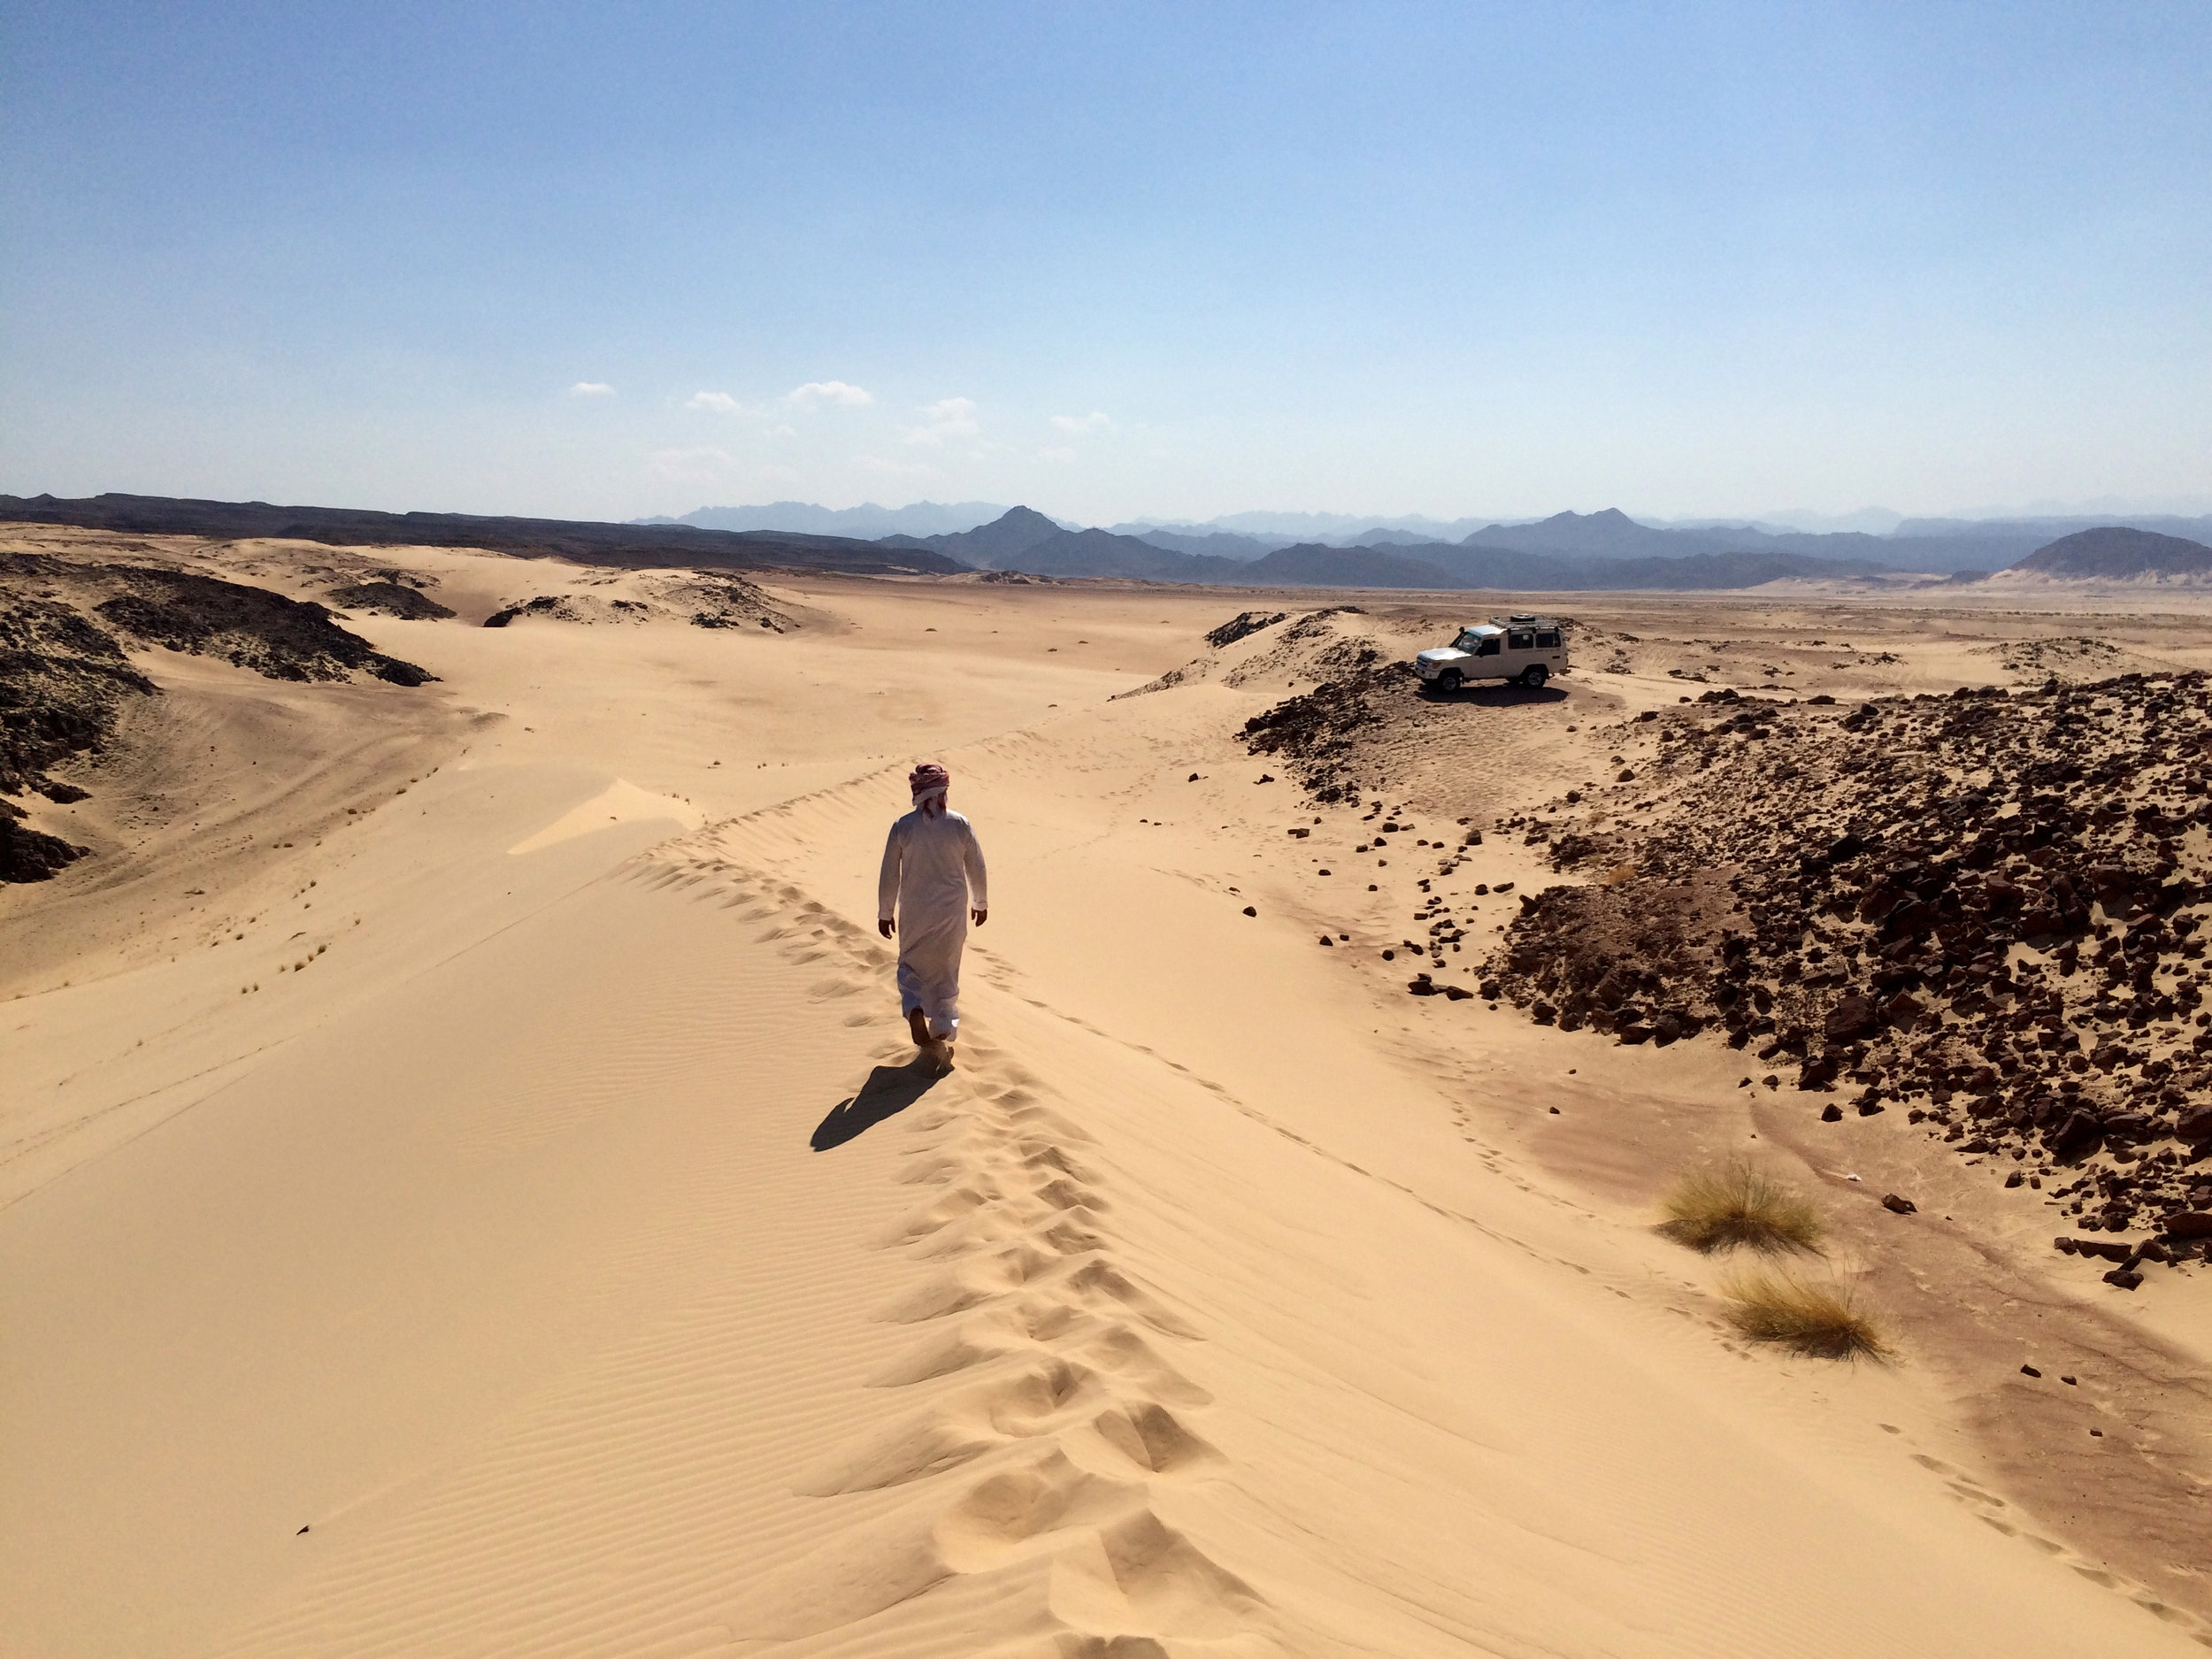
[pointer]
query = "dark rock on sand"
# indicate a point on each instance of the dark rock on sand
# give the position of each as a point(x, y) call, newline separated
point(1241, 625)
point(390, 599)
point(1851, 1019)
point(29, 855)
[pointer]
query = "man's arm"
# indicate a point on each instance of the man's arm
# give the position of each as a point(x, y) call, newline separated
point(979, 879)
point(887, 885)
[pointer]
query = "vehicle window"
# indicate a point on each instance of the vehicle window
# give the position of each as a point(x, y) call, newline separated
point(1520, 642)
point(1486, 646)
point(1547, 639)
point(1468, 641)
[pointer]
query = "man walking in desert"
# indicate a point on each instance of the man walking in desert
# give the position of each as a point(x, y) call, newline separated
point(933, 880)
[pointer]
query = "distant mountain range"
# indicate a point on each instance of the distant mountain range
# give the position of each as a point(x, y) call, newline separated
point(1599, 551)
point(668, 546)
point(1934, 546)
point(1208, 543)
point(867, 520)
point(1595, 551)
point(1939, 546)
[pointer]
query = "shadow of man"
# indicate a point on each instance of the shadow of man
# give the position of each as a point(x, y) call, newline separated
point(889, 1090)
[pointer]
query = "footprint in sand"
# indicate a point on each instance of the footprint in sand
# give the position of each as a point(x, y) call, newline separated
point(1150, 1437)
point(1140, 1577)
point(1016, 1512)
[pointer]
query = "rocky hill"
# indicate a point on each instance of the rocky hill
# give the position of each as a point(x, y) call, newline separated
point(64, 676)
point(1986, 912)
point(2116, 553)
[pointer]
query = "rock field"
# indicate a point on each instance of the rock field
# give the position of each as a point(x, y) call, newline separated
point(1984, 912)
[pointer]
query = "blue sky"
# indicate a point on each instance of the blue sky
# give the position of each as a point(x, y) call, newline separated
point(1109, 260)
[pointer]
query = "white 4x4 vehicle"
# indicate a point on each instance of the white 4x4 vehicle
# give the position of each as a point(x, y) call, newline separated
point(1527, 650)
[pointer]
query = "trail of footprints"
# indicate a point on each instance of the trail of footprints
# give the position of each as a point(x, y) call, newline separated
point(1037, 1411)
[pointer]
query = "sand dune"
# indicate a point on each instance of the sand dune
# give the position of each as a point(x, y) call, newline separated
point(566, 1258)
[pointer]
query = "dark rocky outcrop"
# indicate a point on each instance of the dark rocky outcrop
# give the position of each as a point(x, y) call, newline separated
point(64, 676)
point(29, 855)
point(389, 599)
point(1987, 909)
point(283, 639)
point(1313, 731)
point(1243, 626)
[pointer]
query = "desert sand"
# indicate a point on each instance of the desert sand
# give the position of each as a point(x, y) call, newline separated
point(464, 1189)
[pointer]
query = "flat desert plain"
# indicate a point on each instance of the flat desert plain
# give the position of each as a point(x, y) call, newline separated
point(467, 1187)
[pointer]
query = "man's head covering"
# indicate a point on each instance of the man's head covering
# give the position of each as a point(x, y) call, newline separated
point(929, 781)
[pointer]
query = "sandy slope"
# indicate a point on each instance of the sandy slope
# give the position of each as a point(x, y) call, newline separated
point(1226, 1300)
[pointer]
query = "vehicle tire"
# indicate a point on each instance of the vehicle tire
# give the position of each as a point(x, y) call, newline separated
point(1534, 676)
point(1448, 682)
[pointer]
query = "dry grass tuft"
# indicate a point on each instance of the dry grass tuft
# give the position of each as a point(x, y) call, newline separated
point(1824, 1321)
point(1735, 1203)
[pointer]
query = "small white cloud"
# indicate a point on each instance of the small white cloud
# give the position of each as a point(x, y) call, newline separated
point(783, 429)
point(897, 469)
point(718, 403)
point(679, 466)
point(1066, 452)
point(591, 388)
point(1097, 420)
point(818, 392)
point(947, 417)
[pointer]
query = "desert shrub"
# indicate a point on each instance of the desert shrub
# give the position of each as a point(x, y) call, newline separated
point(1823, 1320)
point(1722, 1206)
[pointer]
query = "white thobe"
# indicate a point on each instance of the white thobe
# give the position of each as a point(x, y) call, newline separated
point(933, 874)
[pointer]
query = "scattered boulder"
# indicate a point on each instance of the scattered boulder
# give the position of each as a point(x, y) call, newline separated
point(2081, 1134)
point(1852, 1018)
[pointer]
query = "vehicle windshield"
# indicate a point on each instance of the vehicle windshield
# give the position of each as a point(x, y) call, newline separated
point(1471, 639)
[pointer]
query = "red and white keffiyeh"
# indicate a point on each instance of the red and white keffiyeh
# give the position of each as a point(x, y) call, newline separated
point(929, 781)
